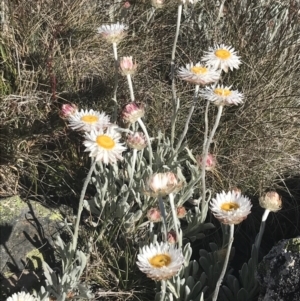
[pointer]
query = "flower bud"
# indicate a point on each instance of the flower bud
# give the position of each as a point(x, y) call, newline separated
point(137, 141)
point(162, 184)
point(181, 212)
point(158, 3)
point(271, 201)
point(127, 66)
point(210, 164)
point(172, 239)
point(154, 215)
point(68, 110)
point(132, 112)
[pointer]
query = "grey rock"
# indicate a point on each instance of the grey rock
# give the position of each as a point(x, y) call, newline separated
point(279, 272)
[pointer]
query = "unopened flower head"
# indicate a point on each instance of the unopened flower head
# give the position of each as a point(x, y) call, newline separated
point(127, 66)
point(271, 201)
point(222, 96)
point(198, 74)
point(68, 110)
point(132, 112)
point(113, 33)
point(181, 212)
point(154, 215)
point(158, 3)
point(172, 237)
point(230, 208)
point(222, 57)
point(137, 140)
point(87, 121)
point(187, 1)
point(210, 163)
point(104, 146)
point(162, 184)
point(21, 296)
point(160, 261)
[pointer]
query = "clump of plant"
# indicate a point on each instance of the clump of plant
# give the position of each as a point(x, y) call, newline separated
point(154, 192)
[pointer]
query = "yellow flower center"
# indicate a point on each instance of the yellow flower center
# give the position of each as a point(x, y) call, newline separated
point(160, 260)
point(89, 118)
point(222, 92)
point(223, 54)
point(230, 206)
point(199, 70)
point(105, 142)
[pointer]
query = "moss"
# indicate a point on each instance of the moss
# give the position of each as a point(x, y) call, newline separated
point(10, 207)
point(293, 245)
point(36, 258)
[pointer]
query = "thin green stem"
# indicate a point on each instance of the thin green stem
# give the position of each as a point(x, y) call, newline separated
point(261, 229)
point(80, 206)
point(175, 219)
point(164, 218)
point(186, 127)
point(115, 52)
point(220, 280)
point(163, 290)
point(175, 101)
point(130, 87)
point(142, 125)
point(134, 156)
point(204, 157)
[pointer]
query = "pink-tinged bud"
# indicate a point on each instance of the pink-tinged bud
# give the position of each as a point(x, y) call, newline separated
point(137, 141)
point(172, 239)
point(126, 4)
point(236, 190)
point(158, 3)
point(211, 162)
point(181, 212)
point(132, 112)
point(154, 215)
point(68, 110)
point(127, 66)
point(162, 184)
point(271, 201)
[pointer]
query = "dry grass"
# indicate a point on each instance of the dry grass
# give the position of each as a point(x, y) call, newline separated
point(51, 55)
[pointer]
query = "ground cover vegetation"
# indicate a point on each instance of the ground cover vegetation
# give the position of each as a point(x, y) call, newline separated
point(206, 96)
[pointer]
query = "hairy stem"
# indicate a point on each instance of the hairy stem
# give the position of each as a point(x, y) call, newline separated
point(80, 206)
point(220, 280)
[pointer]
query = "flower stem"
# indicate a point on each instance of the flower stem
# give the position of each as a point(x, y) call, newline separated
point(163, 290)
point(261, 229)
point(80, 206)
point(175, 101)
point(175, 219)
point(204, 157)
point(142, 125)
point(115, 51)
point(220, 280)
point(164, 218)
point(186, 127)
point(130, 87)
point(134, 156)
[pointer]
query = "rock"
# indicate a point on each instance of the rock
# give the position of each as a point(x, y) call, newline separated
point(279, 272)
point(27, 230)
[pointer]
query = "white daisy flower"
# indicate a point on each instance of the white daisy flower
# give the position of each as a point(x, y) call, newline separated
point(113, 33)
point(198, 74)
point(222, 57)
point(222, 96)
point(21, 296)
point(104, 146)
point(160, 261)
point(230, 208)
point(87, 121)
